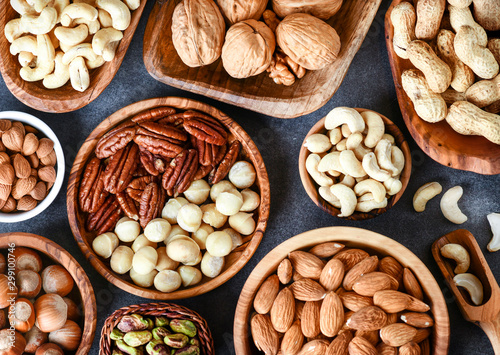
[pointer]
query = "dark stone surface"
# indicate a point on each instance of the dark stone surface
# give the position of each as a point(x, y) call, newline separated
point(368, 84)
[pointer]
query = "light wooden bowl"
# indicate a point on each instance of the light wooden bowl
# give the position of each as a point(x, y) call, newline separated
point(58, 255)
point(258, 93)
point(234, 261)
point(312, 188)
point(352, 237)
point(65, 98)
point(439, 140)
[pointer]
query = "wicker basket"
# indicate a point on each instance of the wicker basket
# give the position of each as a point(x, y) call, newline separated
point(169, 310)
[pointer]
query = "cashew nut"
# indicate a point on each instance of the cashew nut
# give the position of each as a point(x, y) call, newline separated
point(330, 162)
point(39, 5)
point(90, 2)
point(372, 168)
point(393, 186)
point(45, 60)
point(342, 145)
point(340, 115)
point(93, 26)
point(389, 137)
point(346, 132)
point(92, 64)
point(350, 164)
point(22, 7)
point(494, 219)
point(335, 135)
point(348, 181)
point(459, 254)
point(71, 36)
point(79, 74)
point(26, 43)
point(384, 157)
point(106, 41)
point(321, 178)
point(120, 14)
point(27, 59)
point(40, 24)
point(347, 199)
point(132, 4)
point(80, 50)
point(360, 151)
point(60, 76)
point(326, 194)
point(78, 10)
point(449, 205)
point(354, 140)
point(472, 284)
point(59, 5)
point(105, 18)
point(376, 128)
point(334, 173)
point(398, 160)
point(424, 194)
point(13, 30)
point(316, 143)
point(376, 188)
point(367, 203)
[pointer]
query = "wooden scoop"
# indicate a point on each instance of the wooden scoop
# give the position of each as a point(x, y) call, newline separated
point(486, 315)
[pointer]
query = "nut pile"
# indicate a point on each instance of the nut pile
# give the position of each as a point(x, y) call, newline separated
point(57, 42)
point(356, 164)
point(45, 314)
point(27, 163)
point(334, 300)
point(257, 40)
point(136, 334)
point(160, 153)
point(449, 50)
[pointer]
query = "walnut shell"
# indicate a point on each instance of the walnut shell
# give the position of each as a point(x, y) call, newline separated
point(248, 49)
point(198, 32)
point(308, 41)
point(240, 10)
point(323, 9)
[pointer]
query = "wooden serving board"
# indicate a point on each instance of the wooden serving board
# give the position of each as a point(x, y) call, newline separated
point(439, 140)
point(258, 93)
point(65, 98)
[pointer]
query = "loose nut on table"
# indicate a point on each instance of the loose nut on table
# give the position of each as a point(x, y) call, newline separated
point(459, 254)
point(494, 220)
point(424, 194)
point(449, 205)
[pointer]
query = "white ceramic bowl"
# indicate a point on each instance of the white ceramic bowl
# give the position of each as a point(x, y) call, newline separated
point(47, 132)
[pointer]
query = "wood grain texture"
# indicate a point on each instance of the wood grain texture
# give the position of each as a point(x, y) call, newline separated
point(312, 188)
point(439, 140)
point(234, 261)
point(486, 315)
point(352, 237)
point(258, 93)
point(65, 98)
point(62, 257)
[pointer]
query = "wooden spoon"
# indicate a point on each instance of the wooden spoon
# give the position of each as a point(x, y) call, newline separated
point(486, 315)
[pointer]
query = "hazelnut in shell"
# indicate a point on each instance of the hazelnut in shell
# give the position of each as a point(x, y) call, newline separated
point(143, 280)
point(164, 261)
point(7, 289)
point(127, 229)
point(157, 230)
point(144, 261)
point(197, 192)
point(251, 200)
point(49, 349)
point(74, 313)
point(242, 223)
point(210, 265)
point(68, 337)
point(22, 315)
point(167, 281)
point(6, 342)
point(121, 260)
point(189, 217)
point(34, 339)
point(242, 174)
point(200, 236)
point(219, 244)
point(104, 244)
point(29, 283)
point(189, 275)
point(51, 312)
point(27, 259)
point(142, 241)
point(56, 279)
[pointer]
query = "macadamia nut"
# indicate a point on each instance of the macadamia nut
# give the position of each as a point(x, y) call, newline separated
point(105, 244)
point(212, 216)
point(143, 280)
point(157, 230)
point(121, 260)
point(235, 237)
point(229, 203)
point(172, 208)
point(251, 200)
point(200, 236)
point(211, 266)
point(167, 281)
point(127, 229)
point(142, 241)
point(242, 173)
point(189, 217)
point(164, 261)
point(195, 261)
point(183, 250)
point(144, 261)
point(189, 275)
point(221, 186)
point(242, 223)
point(197, 192)
point(174, 231)
point(219, 243)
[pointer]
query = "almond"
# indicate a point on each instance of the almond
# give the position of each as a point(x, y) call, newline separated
point(384, 349)
point(339, 344)
point(363, 267)
point(307, 290)
point(410, 348)
point(4, 158)
point(370, 335)
point(264, 336)
point(361, 346)
point(306, 264)
point(33, 160)
point(9, 206)
point(296, 276)
point(2, 203)
point(425, 348)
point(7, 174)
point(391, 318)
point(30, 144)
point(21, 127)
point(397, 334)
point(368, 284)
point(391, 266)
point(283, 310)
point(326, 250)
point(351, 257)
point(332, 275)
point(368, 318)
point(310, 319)
point(299, 307)
point(354, 301)
point(50, 159)
point(39, 191)
point(264, 298)
point(391, 301)
point(34, 173)
point(47, 174)
point(2, 146)
point(292, 340)
point(5, 191)
point(30, 129)
point(45, 146)
point(417, 319)
point(21, 166)
point(23, 187)
point(13, 139)
point(347, 316)
point(411, 284)
point(314, 347)
point(285, 271)
point(5, 125)
point(26, 203)
point(417, 306)
point(331, 316)
point(422, 334)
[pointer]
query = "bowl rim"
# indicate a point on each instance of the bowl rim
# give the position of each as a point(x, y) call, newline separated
point(37, 123)
point(351, 236)
point(313, 193)
point(120, 116)
point(61, 256)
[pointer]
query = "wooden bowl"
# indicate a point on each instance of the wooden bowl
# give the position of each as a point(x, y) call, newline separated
point(56, 254)
point(439, 140)
point(312, 188)
point(65, 98)
point(169, 310)
point(352, 237)
point(258, 93)
point(234, 261)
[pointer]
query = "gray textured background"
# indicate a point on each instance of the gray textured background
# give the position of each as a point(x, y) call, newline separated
point(368, 84)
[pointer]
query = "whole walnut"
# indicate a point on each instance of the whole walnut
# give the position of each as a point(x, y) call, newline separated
point(248, 49)
point(198, 32)
point(323, 9)
point(240, 10)
point(308, 41)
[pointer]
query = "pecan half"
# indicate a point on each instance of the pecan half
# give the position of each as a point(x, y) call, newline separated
point(180, 172)
point(149, 207)
point(148, 162)
point(202, 171)
point(92, 194)
point(176, 119)
point(137, 186)
point(165, 130)
point(153, 114)
point(225, 165)
point(127, 204)
point(120, 169)
point(115, 140)
point(157, 146)
point(105, 218)
point(205, 128)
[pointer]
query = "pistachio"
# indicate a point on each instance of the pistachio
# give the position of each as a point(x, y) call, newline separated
point(176, 340)
point(183, 326)
point(160, 333)
point(137, 338)
point(151, 324)
point(133, 322)
point(116, 334)
point(161, 321)
point(157, 347)
point(188, 350)
point(128, 349)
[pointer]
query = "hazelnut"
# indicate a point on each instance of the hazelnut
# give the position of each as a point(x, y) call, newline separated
point(22, 315)
point(51, 312)
point(49, 349)
point(29, 283)
point(56, 279)
point(27, 259)
point(68, 337)
point(11, 343)
point(242, 174)
point(35, 338)
point(74, 312)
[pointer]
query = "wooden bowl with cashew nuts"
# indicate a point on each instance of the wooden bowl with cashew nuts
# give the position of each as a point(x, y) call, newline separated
point(311, 186)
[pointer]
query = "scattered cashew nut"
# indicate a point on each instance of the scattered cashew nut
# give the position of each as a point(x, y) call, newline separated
point(79, 74)
point(347, 199)
point(376, 188)
point(449, 205)
point(472, 284)
point(459, 254)
point(340, 115)
point(494, 220)
point(424, 194)
point(321, 178)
